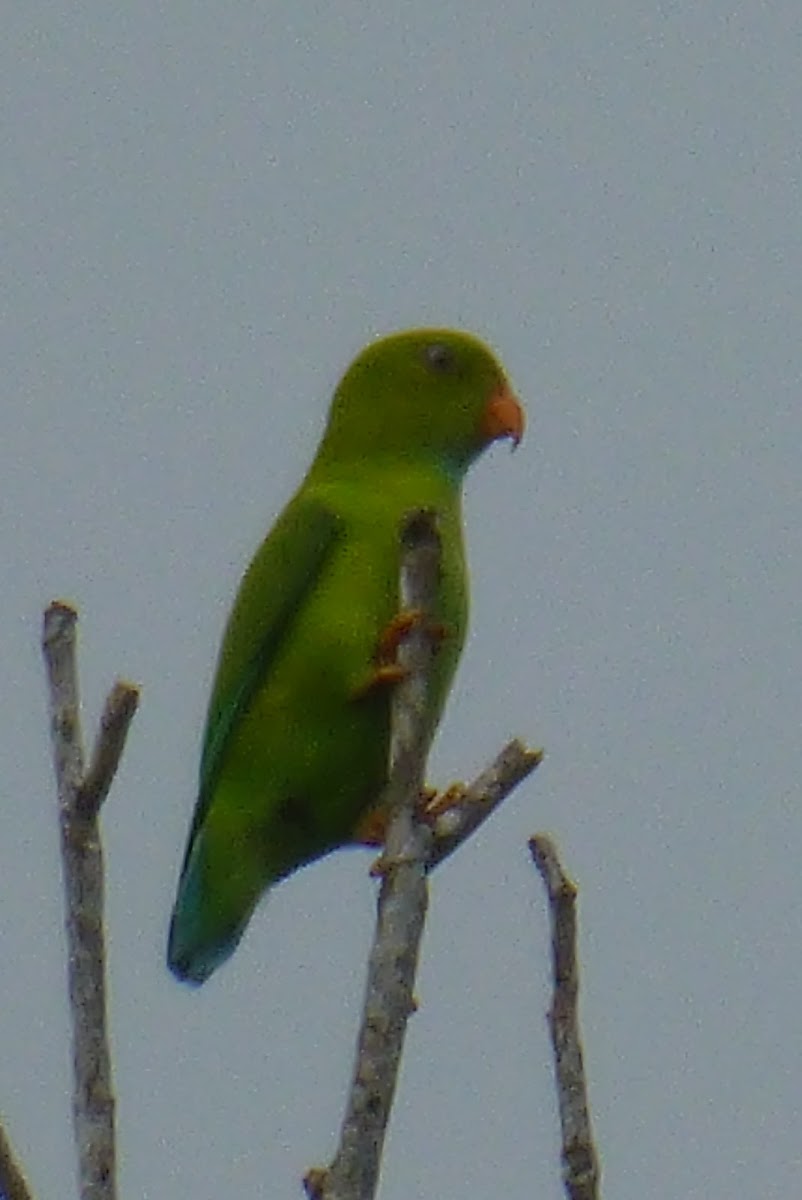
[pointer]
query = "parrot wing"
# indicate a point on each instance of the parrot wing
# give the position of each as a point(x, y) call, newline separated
point(282, 575)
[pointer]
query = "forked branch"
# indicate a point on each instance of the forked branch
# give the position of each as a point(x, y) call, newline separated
point(80, 795)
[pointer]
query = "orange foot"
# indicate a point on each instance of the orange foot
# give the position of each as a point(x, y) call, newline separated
point(400, 628)
point(371, 830)
point(394, 634)
point(381, 677)
point(437, 803)
point(387, 672)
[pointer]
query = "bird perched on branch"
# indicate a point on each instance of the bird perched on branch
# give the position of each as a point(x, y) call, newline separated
point(295, 752)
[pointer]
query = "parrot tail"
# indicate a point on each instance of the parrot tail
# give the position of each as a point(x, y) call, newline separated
point(209, 917)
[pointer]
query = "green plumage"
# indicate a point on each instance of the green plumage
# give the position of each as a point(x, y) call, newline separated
point(296, 744)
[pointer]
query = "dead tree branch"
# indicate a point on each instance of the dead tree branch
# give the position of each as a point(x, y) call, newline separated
point(478, 800)
point(403, 895)
point(581, 1171)
point(80, 795)
point(413, 845)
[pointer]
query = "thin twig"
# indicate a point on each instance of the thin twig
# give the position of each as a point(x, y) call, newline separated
point(80, 796)
point(478, 800)
point(353, 1173)
point(118, 712)
point(13, 1185)
point(581, 1171)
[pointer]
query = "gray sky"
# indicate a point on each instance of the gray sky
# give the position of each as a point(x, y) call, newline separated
point(205, 214)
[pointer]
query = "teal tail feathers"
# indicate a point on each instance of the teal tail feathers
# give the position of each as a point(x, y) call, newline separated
point(204, 929)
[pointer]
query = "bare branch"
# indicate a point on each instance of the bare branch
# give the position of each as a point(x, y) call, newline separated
point(581, 1171)
point(117, 715)
point(58, 644)
point(353, 1173)
point(479, 799)
point(13, 1185)
point(79, 798)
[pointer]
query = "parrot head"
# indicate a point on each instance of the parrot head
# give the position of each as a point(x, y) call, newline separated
point(432, 392)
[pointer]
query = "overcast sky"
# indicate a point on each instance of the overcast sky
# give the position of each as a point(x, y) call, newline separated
point(206, 211)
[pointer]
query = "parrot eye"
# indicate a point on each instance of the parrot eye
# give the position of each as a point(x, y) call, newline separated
point(440, 358)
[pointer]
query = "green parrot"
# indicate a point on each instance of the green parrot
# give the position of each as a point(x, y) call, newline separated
point(295, 752)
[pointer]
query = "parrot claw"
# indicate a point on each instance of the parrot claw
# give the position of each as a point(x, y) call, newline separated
point(394, 634)
point(387, 672)
point(436, 803)
point(382, 677)
point(372, 828)
point(400, 628)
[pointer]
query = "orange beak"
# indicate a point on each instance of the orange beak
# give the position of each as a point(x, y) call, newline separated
point(503, 416)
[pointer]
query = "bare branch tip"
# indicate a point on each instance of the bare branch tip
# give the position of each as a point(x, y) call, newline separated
point(546, 858)
point(420, 527)
point(315, 1182)
point(542, 846)
point(59, 621)
point(122, 700)
point(64, 607)
point(118, 712)
point(520, 756)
